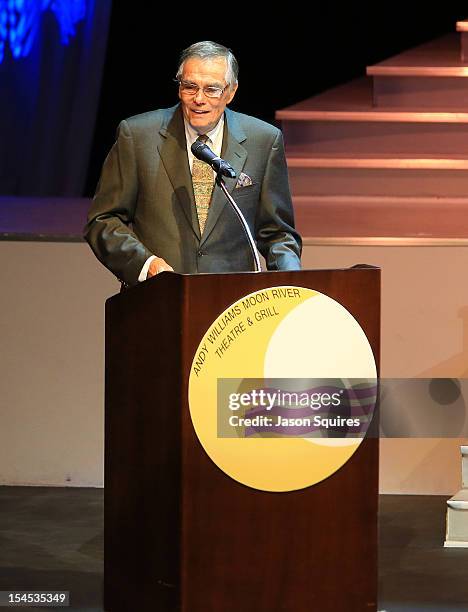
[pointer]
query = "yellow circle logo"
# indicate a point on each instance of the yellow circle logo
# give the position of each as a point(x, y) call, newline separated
point(282, 388)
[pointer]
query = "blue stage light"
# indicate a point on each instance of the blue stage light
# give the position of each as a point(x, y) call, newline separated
point(20, 21)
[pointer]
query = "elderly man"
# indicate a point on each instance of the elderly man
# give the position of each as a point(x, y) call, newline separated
point(157, 208)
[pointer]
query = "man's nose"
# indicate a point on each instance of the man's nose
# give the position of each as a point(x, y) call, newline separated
point(199, 96)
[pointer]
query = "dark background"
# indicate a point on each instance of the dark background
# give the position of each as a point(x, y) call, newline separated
point(286, 56)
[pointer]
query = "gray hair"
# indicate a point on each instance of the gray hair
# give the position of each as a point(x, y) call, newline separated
point(207, 49)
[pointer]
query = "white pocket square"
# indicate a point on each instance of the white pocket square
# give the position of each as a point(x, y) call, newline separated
point(244, 180)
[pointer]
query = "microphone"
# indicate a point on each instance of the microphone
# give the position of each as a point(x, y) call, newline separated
point(204, 153)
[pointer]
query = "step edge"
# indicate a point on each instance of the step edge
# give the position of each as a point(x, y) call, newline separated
point(459, 501)
point(418, 71)
point(458, 505)
point(374, 116)
point(383, 241)
point(364, 199)
point(456, 544)
point(378, 163)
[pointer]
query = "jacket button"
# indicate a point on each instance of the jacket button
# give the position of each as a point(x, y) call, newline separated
point(200, 253)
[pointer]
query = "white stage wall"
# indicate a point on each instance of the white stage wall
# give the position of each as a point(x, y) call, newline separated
point(52, 357)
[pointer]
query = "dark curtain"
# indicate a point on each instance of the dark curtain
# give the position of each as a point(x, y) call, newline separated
point(51, 59)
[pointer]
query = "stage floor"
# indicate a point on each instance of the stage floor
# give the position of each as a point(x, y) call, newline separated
point(52, 538)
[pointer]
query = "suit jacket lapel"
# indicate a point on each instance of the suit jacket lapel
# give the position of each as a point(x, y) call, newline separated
point(236, 155)
point(173, 152)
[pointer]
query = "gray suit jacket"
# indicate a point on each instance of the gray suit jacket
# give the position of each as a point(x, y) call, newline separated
point(144, 203)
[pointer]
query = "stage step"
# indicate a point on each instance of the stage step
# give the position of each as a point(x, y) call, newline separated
point(439, 57)
point(376, 175)
point(302, 157)
point(51, 219)
point(344, 120)
point(464, 451)
point(382, 217)
point(353, 101)
point(457, 521)
point(368, 138)
point(432, 75)
point(462, 27)
point(457, 511)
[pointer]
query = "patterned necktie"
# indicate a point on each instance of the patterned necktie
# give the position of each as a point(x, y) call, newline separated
point(203, 184)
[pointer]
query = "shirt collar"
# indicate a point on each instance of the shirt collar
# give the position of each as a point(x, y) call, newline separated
point(192, 134)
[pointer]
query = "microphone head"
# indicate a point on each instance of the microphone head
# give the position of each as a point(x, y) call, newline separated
point(228, 171)
point(203, 152)
point(198, 147)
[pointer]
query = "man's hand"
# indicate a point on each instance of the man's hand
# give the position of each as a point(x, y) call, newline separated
point(158, 265)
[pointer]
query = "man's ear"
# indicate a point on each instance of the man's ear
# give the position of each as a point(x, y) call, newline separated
point(232, 94)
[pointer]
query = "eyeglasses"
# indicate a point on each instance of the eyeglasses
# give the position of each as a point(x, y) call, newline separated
point(191, 89)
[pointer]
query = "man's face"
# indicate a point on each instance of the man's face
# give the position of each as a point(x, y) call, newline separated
point(201, 111)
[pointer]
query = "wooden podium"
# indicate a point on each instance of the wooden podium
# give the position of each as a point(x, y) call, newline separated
point(179, 533)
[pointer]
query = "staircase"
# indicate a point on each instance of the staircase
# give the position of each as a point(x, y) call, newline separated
point(457, 510)
point(385, 157)
point(384, 160)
